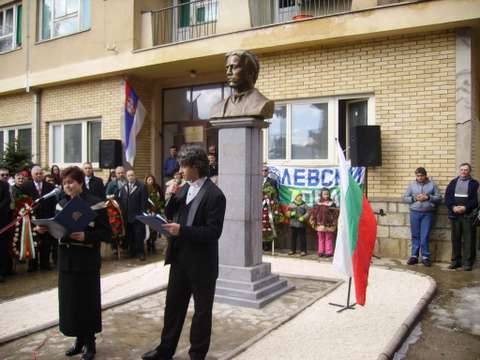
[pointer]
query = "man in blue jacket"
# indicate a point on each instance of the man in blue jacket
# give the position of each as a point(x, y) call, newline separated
point(171, 165)
point(461, 198)
point(422, 195)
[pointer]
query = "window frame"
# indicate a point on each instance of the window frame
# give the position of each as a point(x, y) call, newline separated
point(333, 128)
point(85, 141)
point(3, 10)
point(79, 16)
point(7, 129)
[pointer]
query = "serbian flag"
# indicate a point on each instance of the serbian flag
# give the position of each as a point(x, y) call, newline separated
point(357, 231)
point(134, 115)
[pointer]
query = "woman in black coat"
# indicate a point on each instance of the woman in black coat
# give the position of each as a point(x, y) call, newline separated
point(79, 270)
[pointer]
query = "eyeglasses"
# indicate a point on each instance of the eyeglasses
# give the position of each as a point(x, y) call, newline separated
point(4, 175)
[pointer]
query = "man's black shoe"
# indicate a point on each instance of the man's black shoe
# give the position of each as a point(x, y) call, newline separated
point(454, 266)
point(88, 356)
point(412, 261)
point(426, 262)
point(76, 348)
point(153, 355)
point(89, 350)
point(467, 267)
point(2, 279)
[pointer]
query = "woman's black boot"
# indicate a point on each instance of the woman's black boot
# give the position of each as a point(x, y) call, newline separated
point(90, 349)
point(76, 348)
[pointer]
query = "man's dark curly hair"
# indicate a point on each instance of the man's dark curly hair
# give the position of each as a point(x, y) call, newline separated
point(194, 156)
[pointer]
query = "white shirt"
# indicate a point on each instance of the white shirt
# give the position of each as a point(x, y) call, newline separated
point(87, 182)
point(195, 188)
point(38, 186)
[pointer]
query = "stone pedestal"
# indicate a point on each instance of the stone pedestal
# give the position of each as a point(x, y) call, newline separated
point(243, 278)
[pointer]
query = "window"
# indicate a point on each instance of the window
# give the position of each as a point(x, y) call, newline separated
point(304, 131)
point(22, 135)
point(192, 103)
point(63, 17)
point(196, 12)
point(74, 142)
point(10, 27)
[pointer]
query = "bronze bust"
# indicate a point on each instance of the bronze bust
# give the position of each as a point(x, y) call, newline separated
point(242, 69)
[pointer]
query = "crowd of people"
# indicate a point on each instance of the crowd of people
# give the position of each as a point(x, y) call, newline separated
point(125, 197)
point(423, 197)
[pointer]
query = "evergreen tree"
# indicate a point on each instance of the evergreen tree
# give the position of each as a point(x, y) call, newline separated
point(14, 158)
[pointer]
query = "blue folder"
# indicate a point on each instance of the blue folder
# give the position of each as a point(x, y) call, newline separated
point(154, 221)
point(74, 217)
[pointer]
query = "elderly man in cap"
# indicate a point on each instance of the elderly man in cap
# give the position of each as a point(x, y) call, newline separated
point(423, 196)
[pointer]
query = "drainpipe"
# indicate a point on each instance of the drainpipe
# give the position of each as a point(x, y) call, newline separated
point(27, 50)
point(37, 96)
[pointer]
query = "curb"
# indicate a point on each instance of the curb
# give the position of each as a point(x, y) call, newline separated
point(106, 306)
point(404, 330)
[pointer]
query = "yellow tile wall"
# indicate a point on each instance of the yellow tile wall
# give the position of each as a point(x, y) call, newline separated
point(413, 80)
point(102, 99)
point(16, 110)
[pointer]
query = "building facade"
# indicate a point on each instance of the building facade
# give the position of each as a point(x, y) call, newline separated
point(409, 66)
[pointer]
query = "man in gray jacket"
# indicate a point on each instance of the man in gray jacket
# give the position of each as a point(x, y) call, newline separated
point(422, 195)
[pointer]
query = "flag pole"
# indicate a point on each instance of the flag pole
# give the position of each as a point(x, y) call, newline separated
point(348, 306)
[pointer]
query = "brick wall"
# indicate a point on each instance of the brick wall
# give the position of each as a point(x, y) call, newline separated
point(393, 231)
point(413, 80)
point(16, 110)
point(102, 99)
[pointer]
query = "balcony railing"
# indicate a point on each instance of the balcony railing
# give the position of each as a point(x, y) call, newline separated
point(265, 12)
point(186, 21)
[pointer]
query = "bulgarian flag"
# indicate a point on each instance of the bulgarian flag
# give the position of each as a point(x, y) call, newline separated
point(357, 231)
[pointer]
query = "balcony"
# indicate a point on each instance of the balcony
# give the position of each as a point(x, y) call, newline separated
point(186, 20)
point(266, 12)
point(183, 20)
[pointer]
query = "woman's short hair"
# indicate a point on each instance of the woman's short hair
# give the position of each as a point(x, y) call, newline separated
point(194, 156)
point(75, 173)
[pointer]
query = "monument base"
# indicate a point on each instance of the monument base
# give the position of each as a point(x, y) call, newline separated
point(253, 286)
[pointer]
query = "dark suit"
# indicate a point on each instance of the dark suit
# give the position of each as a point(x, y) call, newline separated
point(462, 227)
point(79, 275)
point(193, 256)
point(5, 217)
point(95, 187)
point(133, 202)
point(44, 210)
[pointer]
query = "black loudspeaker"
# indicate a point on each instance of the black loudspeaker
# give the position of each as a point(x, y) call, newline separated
point(366, 146)
point(110, 154)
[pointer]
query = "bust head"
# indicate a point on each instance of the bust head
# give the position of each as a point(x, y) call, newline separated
point(242, 69)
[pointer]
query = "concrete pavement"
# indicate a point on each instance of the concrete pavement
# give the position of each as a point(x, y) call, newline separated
point(394, 301)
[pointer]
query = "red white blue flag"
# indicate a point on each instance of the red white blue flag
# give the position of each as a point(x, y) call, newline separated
point(134, 115)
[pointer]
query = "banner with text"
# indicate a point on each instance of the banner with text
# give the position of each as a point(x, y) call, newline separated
point(310, 181)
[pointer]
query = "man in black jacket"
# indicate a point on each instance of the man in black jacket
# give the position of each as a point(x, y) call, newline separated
point(197, 214)
point(93, 184)
point(133, 200)
point(461, 198)
point(37, 188)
